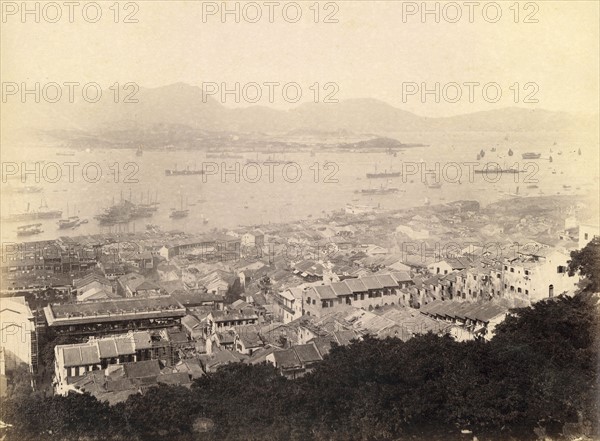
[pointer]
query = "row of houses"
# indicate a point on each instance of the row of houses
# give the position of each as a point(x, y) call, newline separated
point(362, 292)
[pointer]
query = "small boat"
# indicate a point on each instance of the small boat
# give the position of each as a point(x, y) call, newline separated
point(379, 191)
point(29, 230)
point(531, 155)
point(510, 152)
point(184, 172)
point(178, 214)
point(70, 222)
point(139, 151)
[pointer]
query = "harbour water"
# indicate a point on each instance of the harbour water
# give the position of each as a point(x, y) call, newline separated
point(275, 196)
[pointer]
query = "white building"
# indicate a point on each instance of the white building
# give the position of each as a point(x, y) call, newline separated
point(17, 327)
point(288, 304)
point(538, 277)
point(587, 232)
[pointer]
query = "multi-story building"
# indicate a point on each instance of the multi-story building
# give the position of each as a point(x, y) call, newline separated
point(73, 361)
point(364, 292)
point(17, 333)
point(288, 304)
point(538, 276)
point(114, 316)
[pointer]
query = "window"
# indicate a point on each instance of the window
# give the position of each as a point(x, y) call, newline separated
point(498, 276)
point(526, 291)
point(474, 277)
point(308, 300)
point(512, 270)
point(505, 267)
point(445, 271)
point(526, 272)
point(560, 269)
point(518, 289)
point(314, 302)
point(585, 236)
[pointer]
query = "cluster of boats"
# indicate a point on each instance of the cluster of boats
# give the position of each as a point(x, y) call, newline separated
point(126, 211)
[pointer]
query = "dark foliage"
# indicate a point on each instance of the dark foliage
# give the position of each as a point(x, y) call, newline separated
point(537, 375)
point(587, 263)
point(234, 291)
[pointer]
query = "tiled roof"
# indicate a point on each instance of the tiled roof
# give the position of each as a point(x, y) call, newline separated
point(401, 276)
point(325, 292)
point(307, 353)
point(114, 309)
point(356, 285)
point(371, 282)
point(341, 289)
point(80, 355)
point(387, 281)
point(287, 359)
point(141, 369)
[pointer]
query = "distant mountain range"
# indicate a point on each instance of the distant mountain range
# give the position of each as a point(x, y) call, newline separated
point(183, 107)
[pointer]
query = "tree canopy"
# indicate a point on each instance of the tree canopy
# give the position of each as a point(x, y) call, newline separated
point(586, 262)
point(537, 375)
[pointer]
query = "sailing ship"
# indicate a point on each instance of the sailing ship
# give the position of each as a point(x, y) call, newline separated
point(42, 213)
point(29, 230)
point(384, 174)
point(510, 152)
point(178, 214)
point(139, 151)
point(116, 214)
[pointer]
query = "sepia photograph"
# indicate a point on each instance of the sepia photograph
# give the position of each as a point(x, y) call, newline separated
point(299, 220)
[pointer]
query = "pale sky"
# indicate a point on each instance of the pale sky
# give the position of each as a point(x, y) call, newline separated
point(369, 53)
